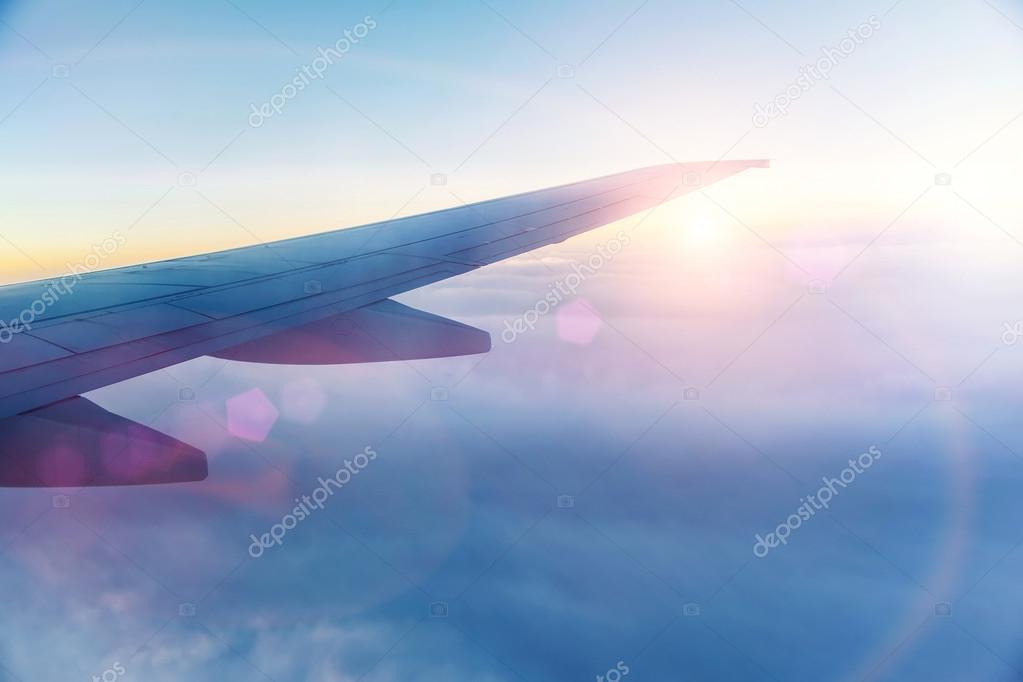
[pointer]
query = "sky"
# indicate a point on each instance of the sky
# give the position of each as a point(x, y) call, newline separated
point(155, 96)
point(863, 291)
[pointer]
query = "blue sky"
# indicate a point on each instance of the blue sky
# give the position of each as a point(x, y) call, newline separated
point(471, 90)
point(134, 116)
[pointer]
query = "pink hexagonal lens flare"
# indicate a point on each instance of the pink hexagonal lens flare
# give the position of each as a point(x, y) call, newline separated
point(251, 415)
point(577, 323)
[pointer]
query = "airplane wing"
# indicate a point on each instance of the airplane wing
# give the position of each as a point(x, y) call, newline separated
point(272, 302)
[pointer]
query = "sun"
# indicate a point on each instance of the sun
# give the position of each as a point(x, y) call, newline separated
point(701, 230)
